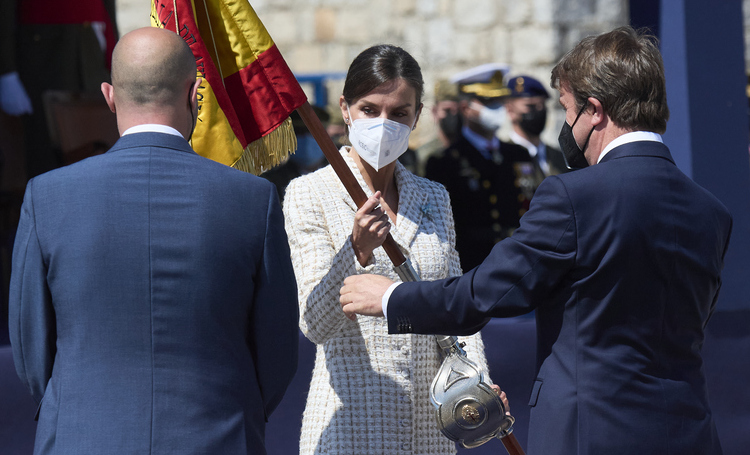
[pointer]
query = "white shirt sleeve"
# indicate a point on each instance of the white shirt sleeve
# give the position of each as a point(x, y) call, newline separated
point(387, 296)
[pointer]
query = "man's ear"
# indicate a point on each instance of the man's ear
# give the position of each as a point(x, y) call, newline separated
point(194, 91)
point(109, 96)
point(598, 115)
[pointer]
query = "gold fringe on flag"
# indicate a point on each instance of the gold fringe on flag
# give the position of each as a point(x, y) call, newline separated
point(268, 151)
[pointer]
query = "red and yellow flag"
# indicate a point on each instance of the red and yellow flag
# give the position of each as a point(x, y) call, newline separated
point(248, 91)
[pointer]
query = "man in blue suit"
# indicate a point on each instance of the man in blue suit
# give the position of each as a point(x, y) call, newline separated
point(153, 305)
point(621, 261)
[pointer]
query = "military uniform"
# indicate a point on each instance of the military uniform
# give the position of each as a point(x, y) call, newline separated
point(488, 196)
point(555, 160)
point(529, 125)
point(555, 163)
point(490, 188)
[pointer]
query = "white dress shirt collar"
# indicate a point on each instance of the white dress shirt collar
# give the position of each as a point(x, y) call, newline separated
point(520, 140)
point(630, 137)
point(152, 128)
point(537, 152)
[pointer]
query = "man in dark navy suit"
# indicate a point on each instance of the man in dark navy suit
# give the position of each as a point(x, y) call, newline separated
point(153, 304)
point(621, 261)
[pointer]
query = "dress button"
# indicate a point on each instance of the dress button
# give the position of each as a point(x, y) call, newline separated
point(404, 423)
point(404, 446)
point(486, 184)
point(405, 350)
point(404, 398)
point(494, 214)
point(493, 199)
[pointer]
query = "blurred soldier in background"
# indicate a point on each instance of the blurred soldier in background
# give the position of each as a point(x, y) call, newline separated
point(447, 118)
point(528, 116)
point(490, 182)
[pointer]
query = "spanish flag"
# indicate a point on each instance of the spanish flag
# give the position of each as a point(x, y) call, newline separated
point(248, 91)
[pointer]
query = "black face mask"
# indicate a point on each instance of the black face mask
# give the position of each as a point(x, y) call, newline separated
point(451, 125)
point(532, 122)
point(573, 154)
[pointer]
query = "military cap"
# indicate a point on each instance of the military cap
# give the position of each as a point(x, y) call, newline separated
point(523, 86)
point(445, 91)
point(484, 81)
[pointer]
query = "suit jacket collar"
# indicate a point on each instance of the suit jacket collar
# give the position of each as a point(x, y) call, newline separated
point(151, 139)
point(639, 148)
point(411, 200)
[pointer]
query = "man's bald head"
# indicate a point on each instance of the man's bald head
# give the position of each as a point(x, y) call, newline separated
point(152, 66)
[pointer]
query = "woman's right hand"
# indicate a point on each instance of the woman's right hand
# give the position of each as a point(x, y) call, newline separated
point(371, 226)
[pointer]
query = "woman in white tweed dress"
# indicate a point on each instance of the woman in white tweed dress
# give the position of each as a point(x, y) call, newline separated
point(370, 391)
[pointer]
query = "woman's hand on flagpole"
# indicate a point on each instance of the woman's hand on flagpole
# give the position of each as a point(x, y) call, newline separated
point(371, 226)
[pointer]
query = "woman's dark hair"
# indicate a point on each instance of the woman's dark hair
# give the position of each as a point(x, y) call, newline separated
point(377, 65)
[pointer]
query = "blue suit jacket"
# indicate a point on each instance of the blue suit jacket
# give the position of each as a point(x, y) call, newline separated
point(622, 263)
point(153, 305)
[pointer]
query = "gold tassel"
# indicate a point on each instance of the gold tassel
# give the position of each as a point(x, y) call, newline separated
point(268, 151)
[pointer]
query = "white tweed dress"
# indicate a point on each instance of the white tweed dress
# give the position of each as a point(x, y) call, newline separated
point(370, 391)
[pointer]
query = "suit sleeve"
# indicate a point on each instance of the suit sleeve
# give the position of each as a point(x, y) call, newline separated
point(520, 274)
point(274, 332)
point(31, 314)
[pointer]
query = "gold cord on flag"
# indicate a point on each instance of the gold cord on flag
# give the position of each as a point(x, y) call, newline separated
point(268, 151)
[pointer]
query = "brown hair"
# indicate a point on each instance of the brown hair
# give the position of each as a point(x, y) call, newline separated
point(623, 69)
point(377, 65)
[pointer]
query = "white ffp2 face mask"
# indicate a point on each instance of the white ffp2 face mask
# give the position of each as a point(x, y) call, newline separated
point(490, 118)
point(379, 141)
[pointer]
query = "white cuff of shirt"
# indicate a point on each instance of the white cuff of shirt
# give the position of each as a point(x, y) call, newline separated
point(386, 296)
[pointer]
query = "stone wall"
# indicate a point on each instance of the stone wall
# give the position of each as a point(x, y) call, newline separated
point(445, 36)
